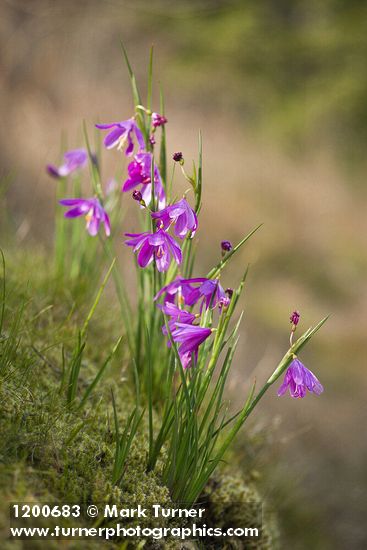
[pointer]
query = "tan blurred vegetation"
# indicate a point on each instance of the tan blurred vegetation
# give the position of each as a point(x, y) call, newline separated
point(279, 90)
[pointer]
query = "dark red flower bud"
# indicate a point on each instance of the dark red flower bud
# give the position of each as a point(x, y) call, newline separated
point(294, 318)
point(177, 157)
point(137, 196)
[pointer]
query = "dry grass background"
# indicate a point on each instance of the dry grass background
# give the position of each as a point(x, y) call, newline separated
point(61, 63)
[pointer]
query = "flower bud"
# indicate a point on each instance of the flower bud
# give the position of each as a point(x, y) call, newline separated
point(178, 157)
point(137, 196)
point(229, 292)
point(294, 318)
point(158, 120)
point(226, 246)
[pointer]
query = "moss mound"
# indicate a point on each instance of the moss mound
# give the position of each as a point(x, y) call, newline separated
point(51, 452)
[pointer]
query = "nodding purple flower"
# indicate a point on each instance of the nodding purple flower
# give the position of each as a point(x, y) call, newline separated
point(158, 120)
point(178, 157)
point(176, 315)
point(152, 139)
point(226, 246)
point(159, 246)
point(209, 291)
point(212, 293)
point(181, 214)
point(73, 160)
point(294, 318)
point(298, 379)
point(121, 134)
point(93, 212)
point(181, 288)
point(140, 174)
point(190, 338)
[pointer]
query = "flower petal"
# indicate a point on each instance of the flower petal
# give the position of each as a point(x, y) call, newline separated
point(113, 137)
point(146, 254)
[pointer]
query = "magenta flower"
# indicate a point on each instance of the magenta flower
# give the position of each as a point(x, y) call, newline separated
point(74, 160)
point(181, 214)
point(158, 120)
point(92, 210)
point(140, 174)
point(176, 315)
point(182, 288)
point(212, 293)
point(208, 291)
point(190, 338)
point(159, 246)
point(121, 134)
point(299, 379)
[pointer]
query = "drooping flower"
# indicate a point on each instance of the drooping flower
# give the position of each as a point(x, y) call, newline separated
point(299, 379)
point(181, 214)
point(159, 246)
point(191, 291)
point(180, 288)
point(140, 174)
point(190, 338)
point(210, 291)
point(93, 212)
point(121, 134)
point(176, 315)
point(73, 160)
point(158, 120)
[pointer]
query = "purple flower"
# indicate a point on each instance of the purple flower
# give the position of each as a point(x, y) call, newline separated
point(190, 337)
point(299, 379)
point(160, 246)
point(181, 214)
point(140, 174)
point(182, 288)
point(92, 210)
point(209, 291)
point(176, 315)
point(158, 120)
point(73, 160)
point(122, 133)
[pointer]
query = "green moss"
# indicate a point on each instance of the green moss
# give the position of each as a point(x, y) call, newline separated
point(52, 453)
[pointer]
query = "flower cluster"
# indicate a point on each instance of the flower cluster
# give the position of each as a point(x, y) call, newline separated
point(180, 296)
point(180, 293)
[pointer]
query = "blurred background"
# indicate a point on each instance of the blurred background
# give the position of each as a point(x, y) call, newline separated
point(279, 91)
